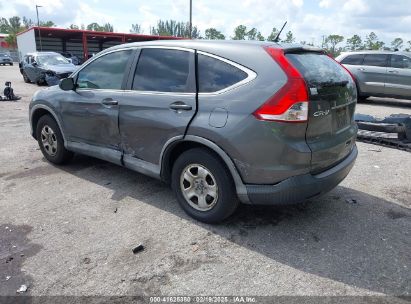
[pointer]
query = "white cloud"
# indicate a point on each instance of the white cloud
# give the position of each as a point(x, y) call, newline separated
point(324, 4)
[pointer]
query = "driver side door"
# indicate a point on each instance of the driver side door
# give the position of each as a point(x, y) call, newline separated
point(29, 68)
point(90, 113)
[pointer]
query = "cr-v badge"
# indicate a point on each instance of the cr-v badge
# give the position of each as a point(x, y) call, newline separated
point(321, 113)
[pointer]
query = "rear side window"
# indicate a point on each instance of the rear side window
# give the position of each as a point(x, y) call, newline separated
point(215, 75)
point(379, 60)
point(106, 72)
point(318, 68)
point(353, 59)
point(163, 70)
point(400, 62)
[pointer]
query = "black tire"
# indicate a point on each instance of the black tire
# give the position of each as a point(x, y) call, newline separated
point(60, 155)
point(226, 202)
point(40, 82)
point(25, 77)
point(11, 64)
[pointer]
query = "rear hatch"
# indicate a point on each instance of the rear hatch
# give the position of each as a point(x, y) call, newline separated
point(331, 129)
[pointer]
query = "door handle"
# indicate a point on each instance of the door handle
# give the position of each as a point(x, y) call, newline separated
point(109, 102)
point(393, 72)
point(179, 105)
point(361, 69)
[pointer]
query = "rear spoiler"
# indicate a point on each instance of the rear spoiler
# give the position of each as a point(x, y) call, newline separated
point(302, 49)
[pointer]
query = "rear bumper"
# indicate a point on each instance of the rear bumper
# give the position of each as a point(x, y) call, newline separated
point(300, 188)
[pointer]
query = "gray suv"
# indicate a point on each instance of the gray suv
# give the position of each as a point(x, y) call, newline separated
point(222, 122)
point(380, 73)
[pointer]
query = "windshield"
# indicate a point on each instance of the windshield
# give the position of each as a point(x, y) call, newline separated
point(52, 59)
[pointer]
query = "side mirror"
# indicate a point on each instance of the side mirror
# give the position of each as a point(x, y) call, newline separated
point(67, 84)
point(34, 63)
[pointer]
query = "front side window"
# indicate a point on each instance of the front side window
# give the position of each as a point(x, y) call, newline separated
point(215, 75)
point(164, 70)
point(106, 72)
point(379, 60)
point(353, 59)
point(400, 62)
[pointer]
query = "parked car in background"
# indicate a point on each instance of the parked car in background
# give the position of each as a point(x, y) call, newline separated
point(5, 59)
point(380, 73)
point(222, 122)
point(71, 57)
point(45, 68)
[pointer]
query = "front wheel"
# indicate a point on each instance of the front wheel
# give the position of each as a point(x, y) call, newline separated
point(51, 141)
point(204, 186)
point(25, 77)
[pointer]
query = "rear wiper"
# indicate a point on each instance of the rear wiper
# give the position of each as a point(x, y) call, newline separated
point(330, 83)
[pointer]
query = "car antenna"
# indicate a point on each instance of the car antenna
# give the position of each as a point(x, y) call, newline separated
point(279, 33)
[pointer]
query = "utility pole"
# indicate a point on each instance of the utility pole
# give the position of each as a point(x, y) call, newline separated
point(191, 19)
point(38, 26)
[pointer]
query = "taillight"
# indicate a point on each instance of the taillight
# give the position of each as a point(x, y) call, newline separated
point(290, 103)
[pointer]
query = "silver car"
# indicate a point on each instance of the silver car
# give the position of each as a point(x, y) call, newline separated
point(380, 73)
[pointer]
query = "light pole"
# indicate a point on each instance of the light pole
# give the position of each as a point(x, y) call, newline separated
point(191, 19)
point(38, 25)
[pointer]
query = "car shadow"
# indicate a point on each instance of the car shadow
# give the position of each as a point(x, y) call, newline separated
point(347, 236)
point(391, 102)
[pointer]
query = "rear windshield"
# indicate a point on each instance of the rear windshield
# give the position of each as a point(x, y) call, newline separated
point(318, 68)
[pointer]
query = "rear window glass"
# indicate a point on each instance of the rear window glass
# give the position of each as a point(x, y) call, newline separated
point(318, 68)
point(353, 59)
point(215, 75)
point(376, 60)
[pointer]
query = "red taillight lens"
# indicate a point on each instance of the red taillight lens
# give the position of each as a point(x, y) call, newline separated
point(290, 103)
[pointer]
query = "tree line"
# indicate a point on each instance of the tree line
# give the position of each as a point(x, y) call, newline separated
point(333, 44)
point(356, 43)
point(12, 26)
point(15, 24)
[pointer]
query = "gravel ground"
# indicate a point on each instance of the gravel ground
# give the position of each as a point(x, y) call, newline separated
point(70, 230)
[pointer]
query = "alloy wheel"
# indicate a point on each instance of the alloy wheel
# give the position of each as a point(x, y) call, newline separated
point(199, 187)
point(49, 140)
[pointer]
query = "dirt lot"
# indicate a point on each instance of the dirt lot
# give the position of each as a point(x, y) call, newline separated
point(70, 230)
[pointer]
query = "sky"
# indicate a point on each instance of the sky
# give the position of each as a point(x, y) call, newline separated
point(309, 20)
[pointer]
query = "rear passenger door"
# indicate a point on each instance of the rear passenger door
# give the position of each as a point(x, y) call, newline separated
point(158, 104)
point(399, 76)
point(373, 73)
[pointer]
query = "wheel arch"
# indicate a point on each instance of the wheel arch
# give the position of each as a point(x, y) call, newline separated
point(37, 112)
point(179, 145)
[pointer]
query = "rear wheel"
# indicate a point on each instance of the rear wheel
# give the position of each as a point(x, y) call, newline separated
point(51, 141)
point(204, 186)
